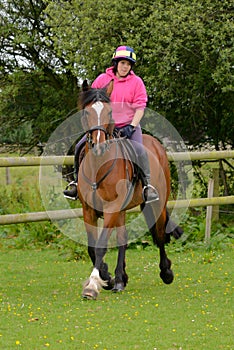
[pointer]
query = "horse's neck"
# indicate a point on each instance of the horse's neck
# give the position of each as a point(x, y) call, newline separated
point(93, 164)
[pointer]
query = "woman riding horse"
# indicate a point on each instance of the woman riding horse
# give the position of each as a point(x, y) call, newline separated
point(129, 100)
point(108, 187)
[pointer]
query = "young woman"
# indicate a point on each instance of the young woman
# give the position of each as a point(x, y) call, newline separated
point(128, 100)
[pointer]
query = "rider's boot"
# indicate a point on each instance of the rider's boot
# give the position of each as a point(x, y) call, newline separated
point(71, 191)
point(149, 192)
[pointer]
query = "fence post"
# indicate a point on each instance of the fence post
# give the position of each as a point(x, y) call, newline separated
point(209, 210)
point(215, 214)
point(8, 176)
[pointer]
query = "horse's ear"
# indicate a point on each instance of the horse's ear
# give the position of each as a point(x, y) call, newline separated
point(85, 85)
point(109, 87)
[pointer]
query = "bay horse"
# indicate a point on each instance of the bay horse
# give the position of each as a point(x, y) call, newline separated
point(108, 186)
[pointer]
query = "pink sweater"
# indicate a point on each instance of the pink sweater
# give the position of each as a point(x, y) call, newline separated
point(128, 95)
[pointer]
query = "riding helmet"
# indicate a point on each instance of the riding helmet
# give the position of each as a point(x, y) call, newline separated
point(124, 52)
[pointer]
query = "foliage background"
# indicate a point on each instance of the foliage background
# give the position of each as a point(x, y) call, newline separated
point(184, 54)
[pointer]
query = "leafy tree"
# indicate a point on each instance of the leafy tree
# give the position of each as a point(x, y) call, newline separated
point(31, 101)
point(191, 48)
point(37, 87)
point(185, 55)
point(184, 49)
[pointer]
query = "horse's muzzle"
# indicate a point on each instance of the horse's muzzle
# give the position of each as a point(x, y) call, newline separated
point(99, 149)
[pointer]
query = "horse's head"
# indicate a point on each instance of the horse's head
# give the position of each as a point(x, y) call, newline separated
point(97, 117)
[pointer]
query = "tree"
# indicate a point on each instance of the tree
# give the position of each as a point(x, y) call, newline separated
point(184, 49)
point(191, 49)
point(37, 87)
point(29, 100)
point(185, 55)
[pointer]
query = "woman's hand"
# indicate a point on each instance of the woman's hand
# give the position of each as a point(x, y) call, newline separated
point(127, 131)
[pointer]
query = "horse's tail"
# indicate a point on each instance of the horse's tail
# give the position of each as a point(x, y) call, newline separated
point(172, 229)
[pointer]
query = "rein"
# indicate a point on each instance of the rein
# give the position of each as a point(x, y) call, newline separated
point(95, 185)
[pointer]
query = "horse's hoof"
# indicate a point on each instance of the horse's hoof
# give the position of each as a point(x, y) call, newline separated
point(89, 294)
point(167, 276)
point(110, 284)
point(118, 287)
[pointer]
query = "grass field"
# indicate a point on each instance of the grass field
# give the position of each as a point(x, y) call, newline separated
point(40, 292)
point(41, 304)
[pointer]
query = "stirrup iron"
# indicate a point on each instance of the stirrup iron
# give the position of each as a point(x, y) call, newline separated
point(72, 183)
point(145, 194)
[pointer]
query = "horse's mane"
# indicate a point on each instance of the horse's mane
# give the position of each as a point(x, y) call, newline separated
point(93, 95)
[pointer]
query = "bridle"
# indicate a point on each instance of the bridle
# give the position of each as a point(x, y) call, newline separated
point(97, 128)
point(108, 136)
point(98, 107)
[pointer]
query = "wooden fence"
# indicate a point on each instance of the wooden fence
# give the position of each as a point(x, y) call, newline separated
point(68, 160)
point(74, 213)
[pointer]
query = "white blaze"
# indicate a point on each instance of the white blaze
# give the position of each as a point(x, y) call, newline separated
point(98, 106)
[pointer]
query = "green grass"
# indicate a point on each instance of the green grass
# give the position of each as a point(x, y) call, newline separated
point(41, 304)
point(40, 292)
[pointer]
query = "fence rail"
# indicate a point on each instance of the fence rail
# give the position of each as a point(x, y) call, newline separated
point(68, 160)
point(74, 213)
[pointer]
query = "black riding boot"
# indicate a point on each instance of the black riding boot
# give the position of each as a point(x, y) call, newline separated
point(72, 193)
point(149, 193)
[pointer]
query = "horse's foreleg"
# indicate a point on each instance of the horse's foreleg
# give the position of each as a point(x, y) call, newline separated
point(101, 248)
point(91, 247)
point(93, 285)
point(166, 272)
point(100, 252)
point(121, 277)
point(95, 282)
point(91, 223)
point(104, 273)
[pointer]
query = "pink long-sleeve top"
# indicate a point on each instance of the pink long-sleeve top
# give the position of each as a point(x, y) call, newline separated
point(128, 95)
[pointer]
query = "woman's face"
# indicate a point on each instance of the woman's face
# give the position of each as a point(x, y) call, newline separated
point(123, 68)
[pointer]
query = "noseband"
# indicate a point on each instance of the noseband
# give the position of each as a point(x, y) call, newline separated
point(96, 128)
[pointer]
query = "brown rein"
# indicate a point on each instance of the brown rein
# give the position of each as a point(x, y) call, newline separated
point(95, 185)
